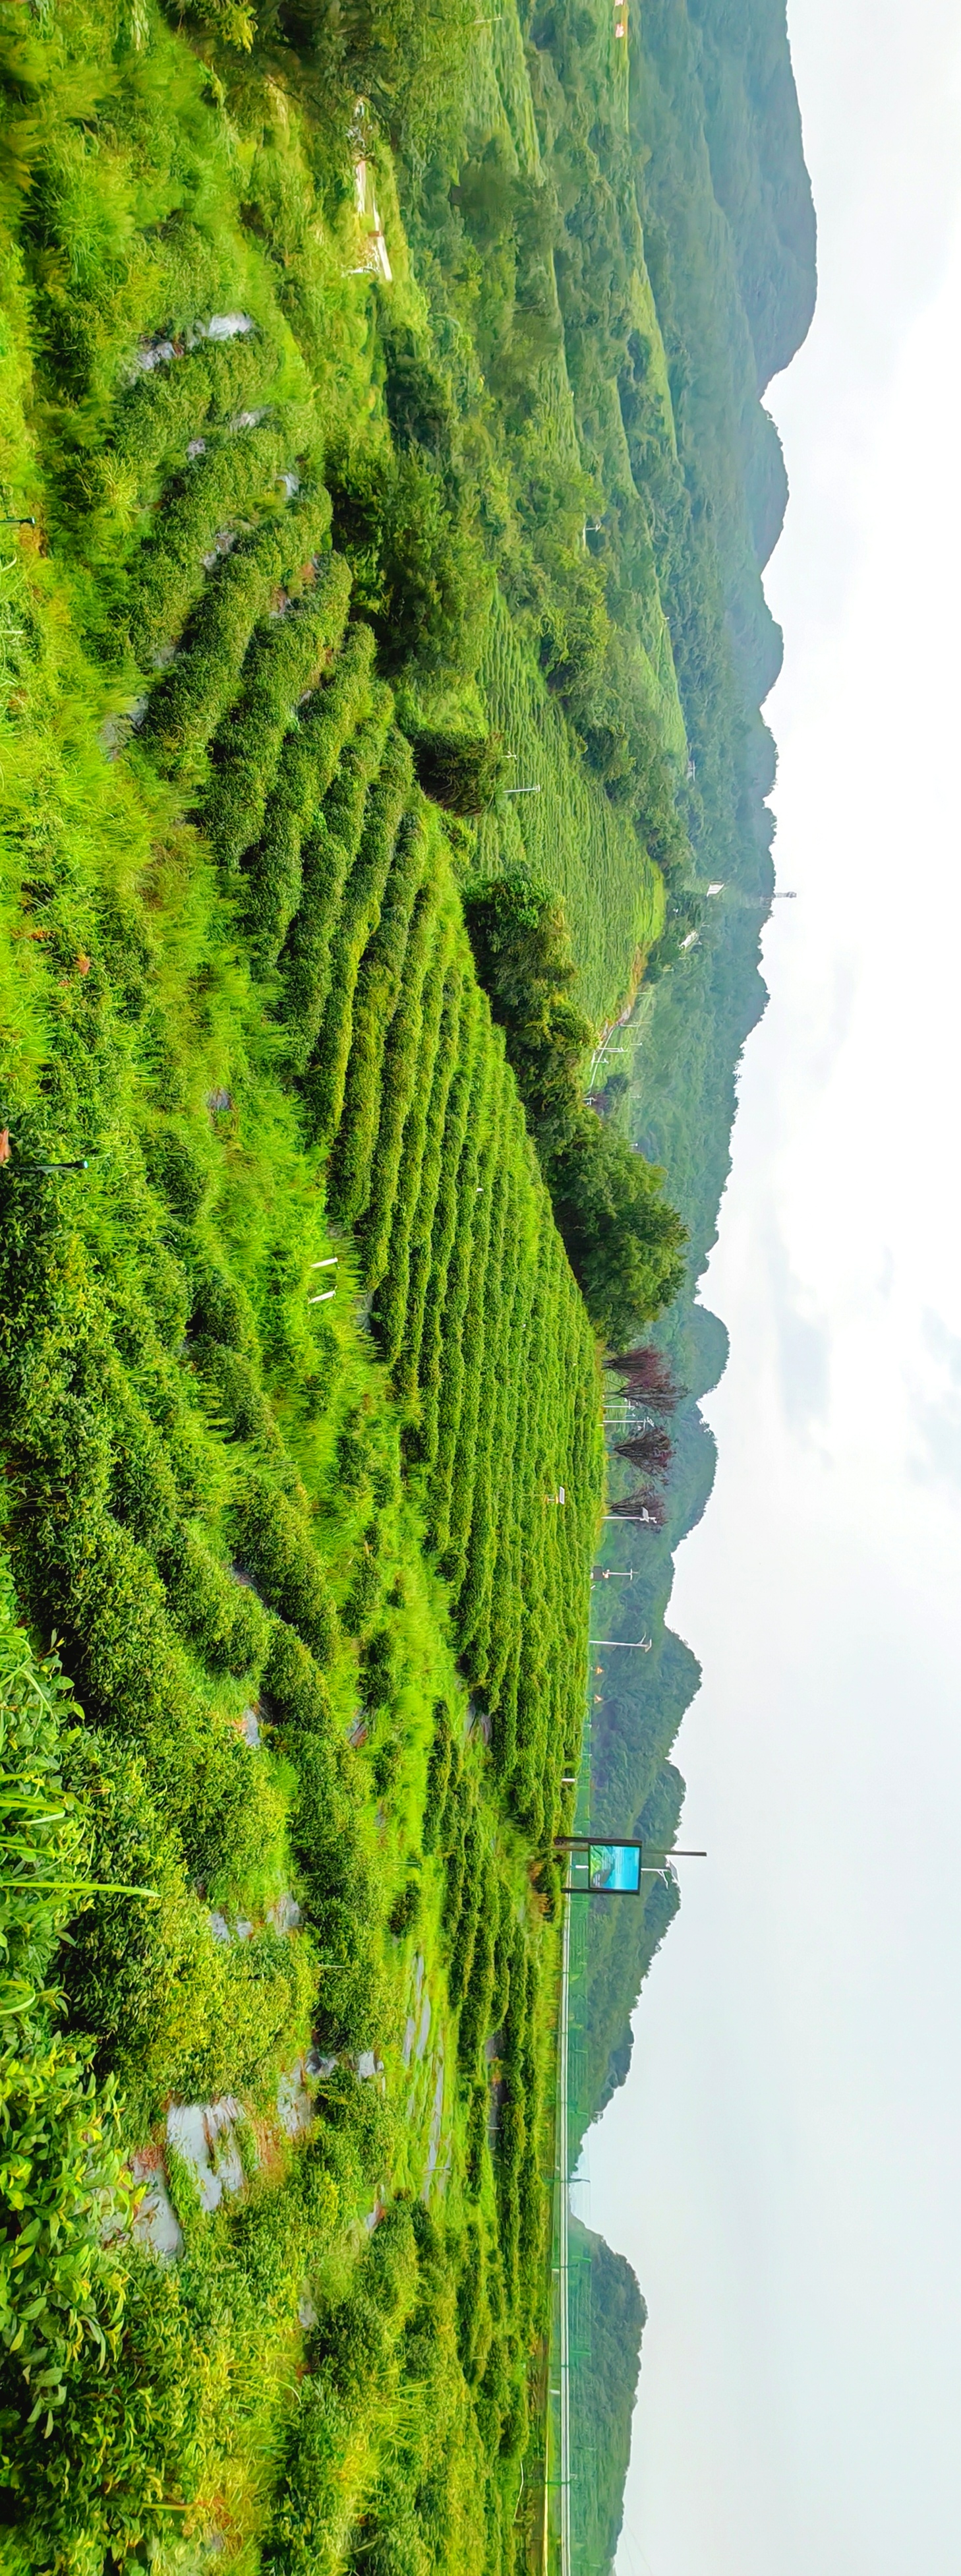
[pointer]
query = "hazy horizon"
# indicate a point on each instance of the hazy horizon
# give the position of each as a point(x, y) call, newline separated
point(780, 2167)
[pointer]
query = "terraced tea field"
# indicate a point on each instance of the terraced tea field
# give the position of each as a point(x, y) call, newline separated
point(302, 1439)
point(557, 822)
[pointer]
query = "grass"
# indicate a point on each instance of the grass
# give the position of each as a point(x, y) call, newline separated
point(566, 831)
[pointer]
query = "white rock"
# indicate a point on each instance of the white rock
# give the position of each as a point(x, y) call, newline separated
point(204, 2135)
point(156, 2223)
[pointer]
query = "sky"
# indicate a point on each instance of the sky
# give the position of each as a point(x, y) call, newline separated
point(783, 2166)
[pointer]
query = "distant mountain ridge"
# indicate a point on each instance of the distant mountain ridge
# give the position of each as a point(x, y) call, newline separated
point(730, 241)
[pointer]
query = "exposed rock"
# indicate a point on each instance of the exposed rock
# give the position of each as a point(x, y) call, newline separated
point(224, 1931)
point(295, 2105)
point(204, 2135)
point(224, 326)
point(156, 2223)
point(284, 1914)
point(223, 541)
point(315, 2064)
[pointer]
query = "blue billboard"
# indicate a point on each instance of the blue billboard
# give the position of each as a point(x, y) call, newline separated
point(614, 1869)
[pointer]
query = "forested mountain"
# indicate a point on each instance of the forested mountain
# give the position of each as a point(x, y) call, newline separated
point(386, 487)
point(729, 237)
point(608, 2317)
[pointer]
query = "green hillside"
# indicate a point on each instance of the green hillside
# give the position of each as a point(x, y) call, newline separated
point(608, 2317)
point(384, 485)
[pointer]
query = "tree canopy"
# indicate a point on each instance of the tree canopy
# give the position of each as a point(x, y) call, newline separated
point(624, 1241)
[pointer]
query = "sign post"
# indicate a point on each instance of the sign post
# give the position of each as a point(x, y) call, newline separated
point(601, 1867)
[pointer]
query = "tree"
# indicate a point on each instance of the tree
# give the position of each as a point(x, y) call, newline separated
point(416, 559)
point(462, 771)
point(645, 1504)
point(623, 1240)
point(522, 952)
point(650, 1449)
point(648, 1378)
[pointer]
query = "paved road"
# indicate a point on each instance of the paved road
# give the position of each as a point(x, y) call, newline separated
point(563, 2148)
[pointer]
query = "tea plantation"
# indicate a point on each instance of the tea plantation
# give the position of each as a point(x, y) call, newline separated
point(308, 523)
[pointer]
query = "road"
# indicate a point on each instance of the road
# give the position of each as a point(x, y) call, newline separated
point(562, 2234)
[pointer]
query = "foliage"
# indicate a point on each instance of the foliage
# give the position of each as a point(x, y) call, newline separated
point(63, 2285)
point(649, 1448)
point(607, 2298)
point(647, 1378)
point(247, 1062)
point(623, 1241)
point(460, 771)
point(416, 561)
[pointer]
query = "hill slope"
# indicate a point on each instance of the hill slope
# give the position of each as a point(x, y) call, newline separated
point(348, 444)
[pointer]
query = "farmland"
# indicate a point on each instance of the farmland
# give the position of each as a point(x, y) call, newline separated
point(302, 1427)
point(289, 1557)
point(302, 1433)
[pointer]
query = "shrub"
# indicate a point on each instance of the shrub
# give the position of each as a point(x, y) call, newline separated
point(469, 1911)
point(275, 1547)
point(400, 1067)
point(189, 701)
point(156, 415)
point(235, 476)
point(143, 1488)
point(405, 1911)
point(390, 2271)
point(375, 1001)
point(275, 866)
point(351, 1995)
point(359, 915)
point(311, 2510)
point(286, 656)
point(328, 854)
point(417, 560)
point(116, 1971)
point(176, 1168)
point(223, 1619)
point(126, 2444)
point(377, 1669)
point(391, 1301)
point(438, 1775)
point(364, 1592)
point(292, 1681)
point(388, 1756)
point(243, 1409)
point(475, 2016)
point(221, 1310)
point(401, 1318)
point(459, 770)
